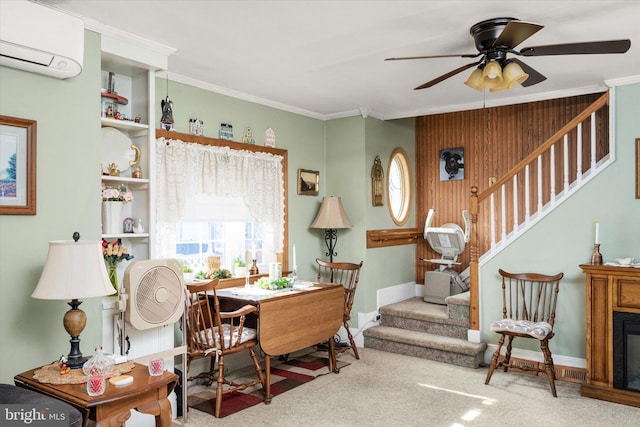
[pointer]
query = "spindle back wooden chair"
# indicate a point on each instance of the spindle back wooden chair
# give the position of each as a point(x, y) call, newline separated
point(213, 333)
point(347, 274)
point(528, 311)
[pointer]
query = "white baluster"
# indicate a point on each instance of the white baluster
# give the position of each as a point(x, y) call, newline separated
point(565, 148)
point(552, 176)
point(503, 221)
point(515, 202)
point(492, 221)
point(593, 142)
point(539, 210)
point(527, 194)
point(579, 154)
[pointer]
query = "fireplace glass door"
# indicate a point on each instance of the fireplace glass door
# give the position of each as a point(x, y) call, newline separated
point(626, 351)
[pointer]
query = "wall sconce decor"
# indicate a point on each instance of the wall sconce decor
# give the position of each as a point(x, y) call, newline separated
point(377, 183)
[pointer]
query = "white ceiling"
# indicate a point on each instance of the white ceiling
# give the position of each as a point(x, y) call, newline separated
point(325, 58)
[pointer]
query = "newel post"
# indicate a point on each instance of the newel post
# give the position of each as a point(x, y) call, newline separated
point(474, 300)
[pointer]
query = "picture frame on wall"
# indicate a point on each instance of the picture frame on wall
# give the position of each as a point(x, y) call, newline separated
point(308, 182)
point(452, 164)
point(17, 166)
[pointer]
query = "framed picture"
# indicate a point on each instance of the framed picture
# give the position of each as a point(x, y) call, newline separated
point(637, 168)
point(308, 182)
point(451, 164)
point(17, 166)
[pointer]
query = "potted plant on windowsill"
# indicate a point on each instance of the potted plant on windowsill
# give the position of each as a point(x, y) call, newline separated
point(240, 265)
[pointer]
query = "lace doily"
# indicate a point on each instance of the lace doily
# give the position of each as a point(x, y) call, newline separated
point(51, 374)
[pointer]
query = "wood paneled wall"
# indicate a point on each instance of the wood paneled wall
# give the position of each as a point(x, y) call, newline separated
point(494, 140)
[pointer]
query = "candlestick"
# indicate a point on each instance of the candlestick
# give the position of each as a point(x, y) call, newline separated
point(596, 258)
point(295, 264)
point(254, 267)
point(597, 229)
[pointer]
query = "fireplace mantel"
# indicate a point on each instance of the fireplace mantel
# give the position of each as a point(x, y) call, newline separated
point(609, 289)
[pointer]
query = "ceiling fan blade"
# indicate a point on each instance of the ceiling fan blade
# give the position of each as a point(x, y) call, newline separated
point(534, 76)
point(585, 48)
point(516, 32)
point(452, 55)
point(447, 75)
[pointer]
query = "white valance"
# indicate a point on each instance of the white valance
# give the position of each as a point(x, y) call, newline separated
point(185, 170)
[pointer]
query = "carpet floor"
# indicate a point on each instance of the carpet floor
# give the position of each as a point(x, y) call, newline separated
point(387, 389)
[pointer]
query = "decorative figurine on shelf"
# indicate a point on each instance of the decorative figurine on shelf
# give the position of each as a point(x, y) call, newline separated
point(247, 136)
point(196, 127)
point(113, 169)
point(270, 138)
point(138, 227)
point(64, 369)
point(136, 172)
point(226, 131)
point(167, 114)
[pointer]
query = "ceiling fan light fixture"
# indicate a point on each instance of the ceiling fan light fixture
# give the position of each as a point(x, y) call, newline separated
point(513, 75)
point(492, 75)
point(475, 80)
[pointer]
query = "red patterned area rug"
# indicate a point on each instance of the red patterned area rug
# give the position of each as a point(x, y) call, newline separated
point(284, 376)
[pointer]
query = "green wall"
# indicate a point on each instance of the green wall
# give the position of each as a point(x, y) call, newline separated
point(68, 200)
point(564, 239)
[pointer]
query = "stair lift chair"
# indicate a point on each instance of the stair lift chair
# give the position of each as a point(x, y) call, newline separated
point(448, 240)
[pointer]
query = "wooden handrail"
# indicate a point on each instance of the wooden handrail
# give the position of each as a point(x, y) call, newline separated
point(595, 106)
point(476, 198)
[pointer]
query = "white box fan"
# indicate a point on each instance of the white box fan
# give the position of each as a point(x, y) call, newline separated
point(155, 291)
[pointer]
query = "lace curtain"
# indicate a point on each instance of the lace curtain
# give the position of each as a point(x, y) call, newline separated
point(185, 170)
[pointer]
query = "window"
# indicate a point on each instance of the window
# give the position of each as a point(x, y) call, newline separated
point(223, 227)
point(399, 186)
point(212, 200)
point(229, 240)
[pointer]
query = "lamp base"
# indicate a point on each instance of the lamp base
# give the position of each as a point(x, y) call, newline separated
point(74, 322)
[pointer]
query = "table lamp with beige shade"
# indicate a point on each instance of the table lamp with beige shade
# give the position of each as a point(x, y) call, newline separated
point(74, 270)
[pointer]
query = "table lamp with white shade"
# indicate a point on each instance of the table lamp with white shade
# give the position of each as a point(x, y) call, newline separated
point(74, 270)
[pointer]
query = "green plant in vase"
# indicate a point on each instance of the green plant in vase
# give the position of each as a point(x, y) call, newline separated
point(114, 253)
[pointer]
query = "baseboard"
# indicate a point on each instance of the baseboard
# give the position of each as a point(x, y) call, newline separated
point(569, 369)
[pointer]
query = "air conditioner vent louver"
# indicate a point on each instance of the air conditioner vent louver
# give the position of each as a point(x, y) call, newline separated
point(155, 291)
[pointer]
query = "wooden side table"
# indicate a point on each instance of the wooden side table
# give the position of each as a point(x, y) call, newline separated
point(146, 394)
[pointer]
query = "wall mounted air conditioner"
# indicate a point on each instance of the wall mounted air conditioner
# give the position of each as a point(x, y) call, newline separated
point(41, 40)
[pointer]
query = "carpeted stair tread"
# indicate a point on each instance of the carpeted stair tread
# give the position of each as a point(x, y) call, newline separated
point(416, 308)
point(423, 339)
point(459, 299)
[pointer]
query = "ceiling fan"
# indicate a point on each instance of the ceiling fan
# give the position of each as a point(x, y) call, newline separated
point(495, 38)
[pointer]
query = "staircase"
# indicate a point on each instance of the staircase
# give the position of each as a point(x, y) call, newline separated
point(429, 331)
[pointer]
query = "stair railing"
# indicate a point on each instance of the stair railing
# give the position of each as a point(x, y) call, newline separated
point(505, 222)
